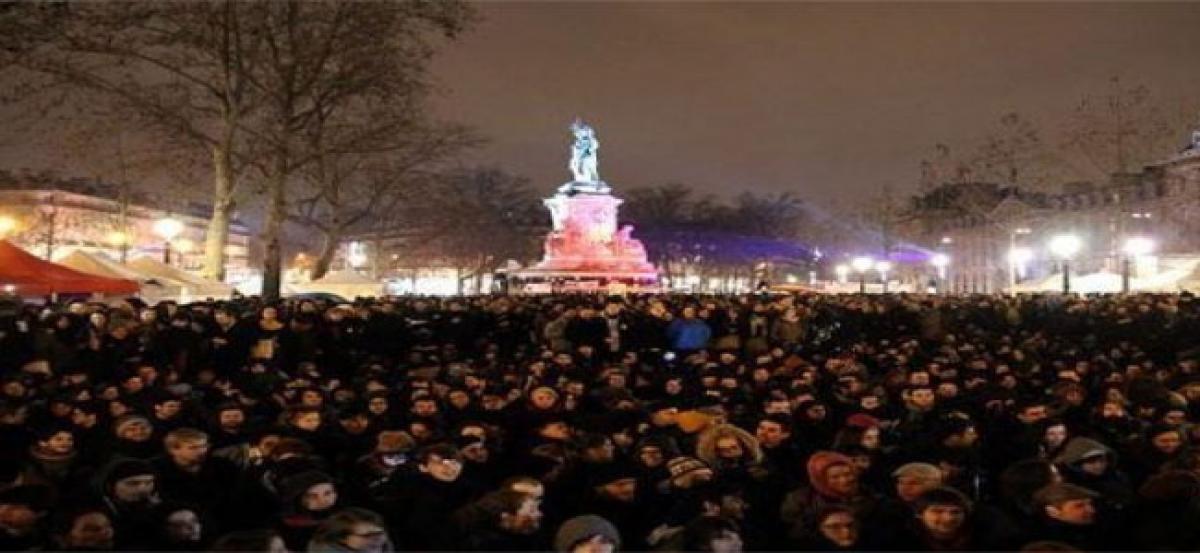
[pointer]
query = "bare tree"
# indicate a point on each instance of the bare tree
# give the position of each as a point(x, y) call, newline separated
point(324, 60)
point(1119, 130)
point(172, 72)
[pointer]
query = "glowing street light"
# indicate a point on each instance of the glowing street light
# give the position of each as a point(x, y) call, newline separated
point(7, 225)
point(940, 261)
point(861, 266)
point(883, 267)
point(843, 271)
point(1065, 246)
point(1018, 260)
point(167, 228)
point(1135, 248)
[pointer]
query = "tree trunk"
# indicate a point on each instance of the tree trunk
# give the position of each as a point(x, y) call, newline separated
point(217, 236)
point(276, 213)
point(329, 246)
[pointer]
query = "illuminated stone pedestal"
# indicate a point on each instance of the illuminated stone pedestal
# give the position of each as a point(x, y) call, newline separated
point(585, 244)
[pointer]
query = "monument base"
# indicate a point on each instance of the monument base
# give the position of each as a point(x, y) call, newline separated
point(585, 249)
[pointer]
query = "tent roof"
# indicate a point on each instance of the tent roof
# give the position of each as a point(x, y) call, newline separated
point(155, 268)
point(345, 276)
point(34, 277)
point(99, 264)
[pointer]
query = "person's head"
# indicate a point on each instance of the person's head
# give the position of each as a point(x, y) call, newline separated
point(133, 428)
point(1166, 440)
point(833, 474)
point(1020, 480)
point(509, 511)
point(1054, 435)
point(263, 541)
point(22, 508)
point(716, 534)
point(353, 529)
point(1067, 503)
point(914, 479)
point(56, 439)
point(131, 481)
point(688, 472)
point(921, 397)
point(441, 462)
point(773, 431)
point(543, 397)
point(181, 525)
point(839, 526)
point(86, 528)
point(942, 512)
point(231, 418)
point(187, 447)
point(587, 534)
point(307, 419)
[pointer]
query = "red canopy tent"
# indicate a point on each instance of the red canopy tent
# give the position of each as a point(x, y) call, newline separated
point(31, 276)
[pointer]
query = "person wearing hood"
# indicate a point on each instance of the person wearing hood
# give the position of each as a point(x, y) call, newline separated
point(134, 437)
point(53, 458)
point(129, 488)
point(733, 453)
point(308, 498)
point(1093, 465)
point(833, 480)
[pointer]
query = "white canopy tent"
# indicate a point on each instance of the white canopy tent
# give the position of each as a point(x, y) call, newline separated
point(152, 288)
point(194, 287)
point(346, 283)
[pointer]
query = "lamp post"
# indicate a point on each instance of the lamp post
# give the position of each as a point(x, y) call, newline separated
point(883, 267)
point(1065, 246)
point(940, 261)
point(861, 266)
point(843, 271)
point(1018, 260)
point(1136, 247)
point(167, 228)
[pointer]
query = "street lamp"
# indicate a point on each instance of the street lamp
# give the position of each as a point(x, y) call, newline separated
point(167, 228)
point(940, 261)
point(842, 271)
point(861, 266)
point(1018, 260)
point(1065, 246)
point(883, 267)
point(7, 225)
point(1135, 247)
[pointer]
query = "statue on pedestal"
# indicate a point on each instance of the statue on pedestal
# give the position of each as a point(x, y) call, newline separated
point(584, 164)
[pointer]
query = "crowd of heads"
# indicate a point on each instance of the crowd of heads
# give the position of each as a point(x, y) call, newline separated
point(592, 424)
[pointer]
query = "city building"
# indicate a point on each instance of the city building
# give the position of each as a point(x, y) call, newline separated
point(996, 237)
point(51, 217)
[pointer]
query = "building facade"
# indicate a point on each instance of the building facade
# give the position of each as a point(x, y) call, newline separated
point(52, 217)
point(996, 236)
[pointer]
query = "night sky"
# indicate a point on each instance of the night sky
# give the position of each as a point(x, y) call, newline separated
point(826, 100)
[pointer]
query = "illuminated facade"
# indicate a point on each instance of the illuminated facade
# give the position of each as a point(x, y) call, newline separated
point(51, 218)
point(996, 237)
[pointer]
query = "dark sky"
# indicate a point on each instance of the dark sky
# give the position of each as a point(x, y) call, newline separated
point(828, 100)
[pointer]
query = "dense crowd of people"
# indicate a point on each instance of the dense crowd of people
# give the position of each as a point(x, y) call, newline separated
point(591, 424)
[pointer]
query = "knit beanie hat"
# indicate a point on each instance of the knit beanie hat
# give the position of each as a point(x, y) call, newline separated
point(127, 468)
point(128, 419)
point(683, 465)
point(924, 471)
point(295, 486)
point(582, 528)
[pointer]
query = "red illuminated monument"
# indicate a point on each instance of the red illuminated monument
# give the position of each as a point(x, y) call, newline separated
point(585, 249)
